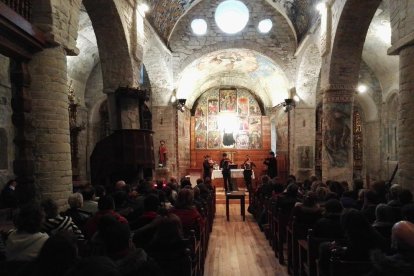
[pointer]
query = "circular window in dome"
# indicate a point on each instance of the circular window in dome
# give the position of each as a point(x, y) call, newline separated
point(199, 26)
point(265, 26)
point(232, 16)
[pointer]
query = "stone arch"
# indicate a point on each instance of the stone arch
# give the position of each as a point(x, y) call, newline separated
point(308, 75)
point(159, 76)
point(349, 40)
point(117, 67)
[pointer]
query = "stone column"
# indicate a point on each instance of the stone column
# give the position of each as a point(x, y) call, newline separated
point(337, 152)
point(53, 173)
point(406, 119)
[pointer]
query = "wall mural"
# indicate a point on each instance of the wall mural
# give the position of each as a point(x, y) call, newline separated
point(228, 118)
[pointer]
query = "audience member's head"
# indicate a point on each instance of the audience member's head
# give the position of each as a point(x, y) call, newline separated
point(106, 203)
point(185, 182)
point(356, 226)
point(185, 199)
point(337, 188)
point(151, 203)
point(114, 235)
point(50, 207)
point(100, 191)
point(88, 193)
point(199, 181)
point(169, 229)
point(371, 198)
point(384, 213)
point(321, 193)
point(403, 236)
point(120, 199)
point(333, 207)
point(265, 179)
point(292, 190)
point(120, 185)
point(310, 199)
point(395, 191)
point(29, 218)
point(380, 188)
point(75, 200)
point(58, 254)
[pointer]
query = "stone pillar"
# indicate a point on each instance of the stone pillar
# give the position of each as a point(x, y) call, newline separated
point(337, 152)
point(53, 173)
point(406, 119)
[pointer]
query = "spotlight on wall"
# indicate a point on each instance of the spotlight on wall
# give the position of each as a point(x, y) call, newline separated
point(181, 104)
point(362, 88)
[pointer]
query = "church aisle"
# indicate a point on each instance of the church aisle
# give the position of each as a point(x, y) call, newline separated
point(239, 248)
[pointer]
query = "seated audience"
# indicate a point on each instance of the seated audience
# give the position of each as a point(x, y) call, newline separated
point(308, 211)
point(370, 204)
point(25, 242)
point(329, 226)
point(75, 212)
point(186, 211)
point(89, 203)
point(94, 266)
point(55, 223)
point(106, 207)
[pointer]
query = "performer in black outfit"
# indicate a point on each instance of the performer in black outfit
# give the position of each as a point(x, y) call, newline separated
point(271, 164)
point(225, 170)
point(248, 166)
point(207, 167)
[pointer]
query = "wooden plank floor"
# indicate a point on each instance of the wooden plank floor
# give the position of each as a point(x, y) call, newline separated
point(239, 248)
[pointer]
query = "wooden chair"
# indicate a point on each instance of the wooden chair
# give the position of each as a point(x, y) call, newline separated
point(282, 220)
point(295, 232)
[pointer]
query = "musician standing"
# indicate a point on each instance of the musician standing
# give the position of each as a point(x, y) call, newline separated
point(248, 166)
point(207, 167)
point(225, 170)
point(271, 164)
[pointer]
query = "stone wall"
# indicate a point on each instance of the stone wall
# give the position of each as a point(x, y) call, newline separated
point(6, 125)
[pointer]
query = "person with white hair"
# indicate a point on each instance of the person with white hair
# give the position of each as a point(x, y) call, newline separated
point(401, 263)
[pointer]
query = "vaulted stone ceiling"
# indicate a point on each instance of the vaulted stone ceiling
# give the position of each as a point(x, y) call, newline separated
point(164, 14)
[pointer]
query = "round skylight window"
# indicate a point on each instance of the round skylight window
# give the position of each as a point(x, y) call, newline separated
point(265, 26)
point(232, 16)
point(199, 26)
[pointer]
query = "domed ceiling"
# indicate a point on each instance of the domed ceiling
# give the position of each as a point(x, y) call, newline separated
point(164, 14)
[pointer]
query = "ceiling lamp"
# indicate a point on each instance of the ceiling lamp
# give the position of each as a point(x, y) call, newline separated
point(199, 26)
point(232, 16)
point(265, 26)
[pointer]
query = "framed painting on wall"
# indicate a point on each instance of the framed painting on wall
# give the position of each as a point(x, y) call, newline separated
point(213, 107)
point(243, 106)
point(200, 124)
point(214, 140)
point(200, 140)
point(228, 100)
point(305, 157)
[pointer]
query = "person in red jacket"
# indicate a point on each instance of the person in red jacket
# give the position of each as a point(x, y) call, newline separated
point(106, 207)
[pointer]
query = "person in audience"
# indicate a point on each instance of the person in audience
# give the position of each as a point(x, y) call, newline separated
point(401, 263)
point(58, 254)
point(360, 240)
point(321, 194)
point(185, 182)
point(89, 203)
point(337, 188)
point(55, 223)
point(407, 212)
point(348, 201)
point(78, 216)
point(151, 206)
point(384, 221)
point(120, 185)
point(329, 226)
point(357, 185)
point(25, 242)
point(308, 211)
point(371, 201)
point(394, 195)
point(8, 198)
point(271, 165)
point(94, 266)
point(106, 207)
point(115, 237)
point(100, 191)
point(188, 214)
point(167, 247)
point(287, 200)
point(380, 188)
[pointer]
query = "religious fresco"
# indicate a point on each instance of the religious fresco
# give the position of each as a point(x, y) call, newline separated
point(225, 116)
point(228, 100)
point(337, 137)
